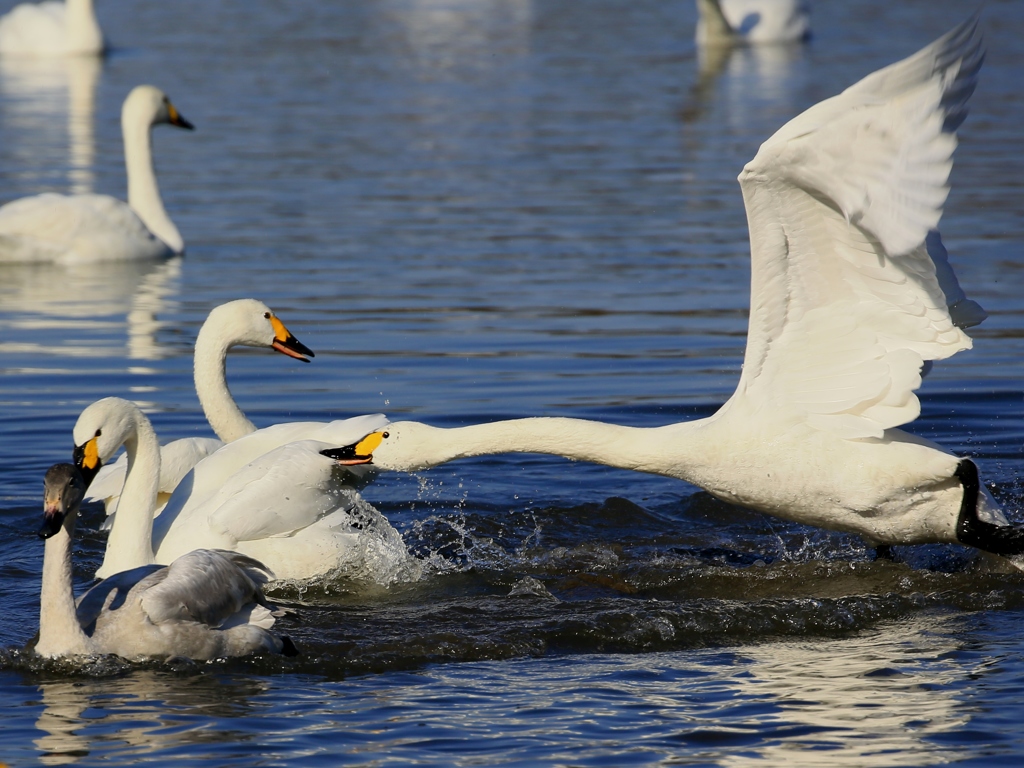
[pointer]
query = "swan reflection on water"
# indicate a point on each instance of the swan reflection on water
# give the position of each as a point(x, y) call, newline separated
point(883, 697)
point(39, 96)
point(119, 707)
point(878, 698)
point(70, 310)
point(745, 78)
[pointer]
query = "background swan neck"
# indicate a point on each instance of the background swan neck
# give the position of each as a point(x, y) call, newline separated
point(143, 192)
point(60, 633)
point(223, 413)
point(130, 543)
point(81, 27)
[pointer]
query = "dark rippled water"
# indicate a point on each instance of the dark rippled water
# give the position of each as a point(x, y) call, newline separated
point(481, 209)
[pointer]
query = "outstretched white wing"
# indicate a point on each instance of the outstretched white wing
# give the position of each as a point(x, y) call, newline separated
point(850, 286)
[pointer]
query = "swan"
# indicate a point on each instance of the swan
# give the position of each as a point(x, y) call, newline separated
point(243, 322)
point(273, 492)
point(207, 604)
point(752, 21)
point(852, 296)
point(51, 29)
point(89, 228)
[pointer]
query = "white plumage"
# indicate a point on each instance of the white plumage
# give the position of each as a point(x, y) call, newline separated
point(752, 21)
point(243, 322)
point(270, 492)
point(51, 29)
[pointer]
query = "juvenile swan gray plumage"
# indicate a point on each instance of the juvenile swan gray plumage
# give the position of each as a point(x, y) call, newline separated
point(206, 604)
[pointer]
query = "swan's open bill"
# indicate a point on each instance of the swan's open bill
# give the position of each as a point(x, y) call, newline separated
point(207, 604)
point(852, 297)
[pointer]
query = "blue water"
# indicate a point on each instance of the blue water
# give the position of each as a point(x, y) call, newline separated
point(482, 209)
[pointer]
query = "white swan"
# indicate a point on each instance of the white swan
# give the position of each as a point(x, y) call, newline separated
point(244, 322)
point(89, 228)
point(851, 294)
point(207, 604)
point(51, 29)
point(752, 21)
point(271, 492)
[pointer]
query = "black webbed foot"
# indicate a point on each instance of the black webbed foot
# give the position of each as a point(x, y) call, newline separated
point(1003, 540)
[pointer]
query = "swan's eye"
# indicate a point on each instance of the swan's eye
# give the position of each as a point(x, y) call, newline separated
point(386, 434)
point(266, 315)
point(99, 432)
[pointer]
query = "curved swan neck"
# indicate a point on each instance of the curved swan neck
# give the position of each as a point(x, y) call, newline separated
point(223, 413)
point(130, 543)
point(59, 631)
point(663, 450)
point(143, 192)
point(82, 28)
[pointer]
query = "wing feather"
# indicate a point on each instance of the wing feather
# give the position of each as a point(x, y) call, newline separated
point(851, 288)
point(208, 586)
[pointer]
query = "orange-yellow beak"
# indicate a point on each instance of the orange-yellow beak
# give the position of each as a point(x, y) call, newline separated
point(359, 453)
point(287, 344)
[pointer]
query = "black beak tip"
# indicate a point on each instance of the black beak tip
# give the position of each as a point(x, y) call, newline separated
point(51, 524)
point(346, 456)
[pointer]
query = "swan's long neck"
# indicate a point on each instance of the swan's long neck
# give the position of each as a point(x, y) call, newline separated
point(131, 538)
point(60, 633)
point(674, 450)
point(143, 193)
point(220, 408)
point(82, 28)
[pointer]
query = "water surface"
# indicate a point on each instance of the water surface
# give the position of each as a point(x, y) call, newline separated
point(487, 209)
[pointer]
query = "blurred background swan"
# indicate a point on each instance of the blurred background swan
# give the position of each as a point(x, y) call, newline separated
point(79, 305)
point(752, 21)
point(89, 228)
point(51, 29)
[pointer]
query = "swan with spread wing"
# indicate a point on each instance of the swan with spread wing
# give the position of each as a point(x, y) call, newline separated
point(852, 297)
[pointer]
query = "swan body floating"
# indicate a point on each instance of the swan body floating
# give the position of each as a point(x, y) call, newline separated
point(51, 29)
point(851, 297)
point(244, 322)
point(89, 228)
point(205, 605)
point(752, 21)
point(274, 492)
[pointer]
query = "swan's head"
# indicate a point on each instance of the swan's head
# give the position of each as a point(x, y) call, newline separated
point(63, 489)
point(252, 323)
point(102, 428)
point(405, 446)
point(148, 105)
